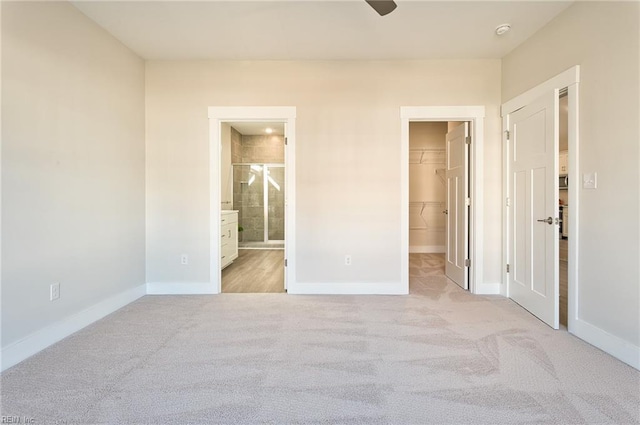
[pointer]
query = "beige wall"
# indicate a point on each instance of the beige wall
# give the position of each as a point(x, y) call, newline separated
point(347, 157)
point(603, 38)
point(72, 166)
point(428, 135)
point(427, 222)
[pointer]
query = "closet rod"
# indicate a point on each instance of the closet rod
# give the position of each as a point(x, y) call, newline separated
point(439, 158)
point(427, 150)
point(431, 203)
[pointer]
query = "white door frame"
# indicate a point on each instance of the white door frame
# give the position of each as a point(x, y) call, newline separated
point(218, 115)
point(475, 115)
point(571, 80)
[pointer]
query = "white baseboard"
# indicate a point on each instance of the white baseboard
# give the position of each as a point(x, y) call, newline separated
point(378, 288)
point(616, 346)
point(180, 288)
point(489, 289)
point(31, 344)
point(427, 249)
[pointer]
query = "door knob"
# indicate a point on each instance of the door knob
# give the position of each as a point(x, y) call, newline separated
point(547, 220)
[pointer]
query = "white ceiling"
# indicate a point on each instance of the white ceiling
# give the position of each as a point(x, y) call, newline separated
point(314, 30)
point(247, 128)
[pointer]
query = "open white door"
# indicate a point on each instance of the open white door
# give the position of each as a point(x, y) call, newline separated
point(457, 228)
point(533, 201)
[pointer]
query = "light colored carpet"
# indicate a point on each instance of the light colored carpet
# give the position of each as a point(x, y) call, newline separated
point(437, 356)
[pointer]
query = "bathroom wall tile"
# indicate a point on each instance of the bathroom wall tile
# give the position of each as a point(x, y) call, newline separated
point(263, 149)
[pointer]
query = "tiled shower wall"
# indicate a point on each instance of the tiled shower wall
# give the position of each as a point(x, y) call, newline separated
point(236, 146)
point(248, 199)
point(262, 149)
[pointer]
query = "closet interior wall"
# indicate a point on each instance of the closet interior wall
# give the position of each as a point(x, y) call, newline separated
point(427, 194)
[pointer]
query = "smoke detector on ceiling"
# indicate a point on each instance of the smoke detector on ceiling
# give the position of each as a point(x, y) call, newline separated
point(503, 29)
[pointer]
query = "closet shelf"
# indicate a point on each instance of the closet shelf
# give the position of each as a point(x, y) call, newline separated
point(427, 150)
point(426, 156)
point(417, 220)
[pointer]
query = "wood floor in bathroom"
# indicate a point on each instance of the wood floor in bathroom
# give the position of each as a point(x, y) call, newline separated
point(255, 271)
point(564, 282)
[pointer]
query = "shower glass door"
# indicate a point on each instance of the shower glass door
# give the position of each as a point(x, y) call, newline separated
point(258, 195)
point(275, 203)
point(248, 199)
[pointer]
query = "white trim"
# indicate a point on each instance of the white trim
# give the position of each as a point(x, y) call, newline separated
point(179, 288)
point(215, 198)
point(573, 282)
point(217, 115)
point(475, 115)
point(31, 344)
point(611, 344)
point(347, 288)
point(565, 79)
point(1, 274)
point(600, 338)
point(489, 289)
point(505, 210)
point(290, 199)
point(252, 113)
point(427, 249)
point(404, 198)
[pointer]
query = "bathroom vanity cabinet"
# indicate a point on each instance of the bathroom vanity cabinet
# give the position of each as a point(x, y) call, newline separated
point(228, 237)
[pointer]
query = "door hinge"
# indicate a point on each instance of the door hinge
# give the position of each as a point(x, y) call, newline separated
point(508, 134)
point(508, 202)
point(467, 140)
point(467, 263)
point(285, 262)
point(286, 141)
point(507, 268)
point(468, 202)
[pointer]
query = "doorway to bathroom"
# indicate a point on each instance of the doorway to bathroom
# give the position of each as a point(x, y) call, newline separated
point(253, 167)
point(252, 188)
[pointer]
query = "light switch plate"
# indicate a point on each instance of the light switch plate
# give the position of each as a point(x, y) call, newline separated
point(590, 180)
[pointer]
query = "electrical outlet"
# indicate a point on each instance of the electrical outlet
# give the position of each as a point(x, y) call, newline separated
point(54, 291)
point(347, 260)
point(184, 259)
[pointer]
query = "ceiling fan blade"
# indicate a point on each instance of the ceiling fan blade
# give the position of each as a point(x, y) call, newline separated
point(383, 7)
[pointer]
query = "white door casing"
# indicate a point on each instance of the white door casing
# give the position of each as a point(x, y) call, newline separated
point(533, 203)
point(457, 210)
point(475, 115)
point(569, 79)
point(287, 193)
point(283, 114)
